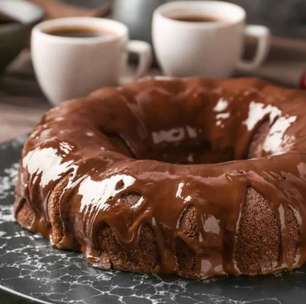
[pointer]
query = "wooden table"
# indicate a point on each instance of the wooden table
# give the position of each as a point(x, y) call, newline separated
point(22, 103)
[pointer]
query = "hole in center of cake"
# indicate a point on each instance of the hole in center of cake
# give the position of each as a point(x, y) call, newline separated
point(193, 153)
point(175, 149)
point(187, 145)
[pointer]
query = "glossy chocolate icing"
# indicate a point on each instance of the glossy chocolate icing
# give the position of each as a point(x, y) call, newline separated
point(170, 144)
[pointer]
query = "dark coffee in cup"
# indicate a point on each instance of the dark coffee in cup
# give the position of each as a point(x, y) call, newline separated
point(6, 20)
point(197, 18)
point(80, 32)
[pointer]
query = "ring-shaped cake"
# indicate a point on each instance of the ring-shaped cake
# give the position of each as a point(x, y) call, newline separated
point(193, 177)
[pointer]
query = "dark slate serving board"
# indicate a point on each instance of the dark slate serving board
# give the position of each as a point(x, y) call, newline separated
point(32, 272)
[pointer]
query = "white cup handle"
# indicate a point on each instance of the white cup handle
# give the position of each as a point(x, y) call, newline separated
point(144, 52)
point(262, 35)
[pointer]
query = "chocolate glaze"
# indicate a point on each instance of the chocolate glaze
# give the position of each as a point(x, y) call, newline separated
point(168, 144)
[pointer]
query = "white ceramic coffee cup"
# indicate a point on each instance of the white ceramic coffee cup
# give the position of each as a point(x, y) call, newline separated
point(69, 67)
point(212, 49)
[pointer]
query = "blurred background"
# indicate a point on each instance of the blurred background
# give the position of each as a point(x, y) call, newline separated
point(21, 100)
point(284, 17)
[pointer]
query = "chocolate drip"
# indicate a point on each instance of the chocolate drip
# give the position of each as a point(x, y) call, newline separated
point(161, 162)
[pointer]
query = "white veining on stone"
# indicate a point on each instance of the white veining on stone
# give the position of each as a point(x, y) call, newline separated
point(30, 266)
point(16, 143)
point(7, 180)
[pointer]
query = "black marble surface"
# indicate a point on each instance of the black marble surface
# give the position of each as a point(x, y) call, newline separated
point(33, 272)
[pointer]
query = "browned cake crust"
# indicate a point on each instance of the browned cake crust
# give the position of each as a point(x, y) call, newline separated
point(193, 177)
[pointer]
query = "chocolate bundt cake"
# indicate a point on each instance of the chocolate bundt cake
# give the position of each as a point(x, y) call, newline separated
point(193, 177)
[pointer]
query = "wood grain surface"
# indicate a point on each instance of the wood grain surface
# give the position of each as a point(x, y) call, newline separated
point(21, 101)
